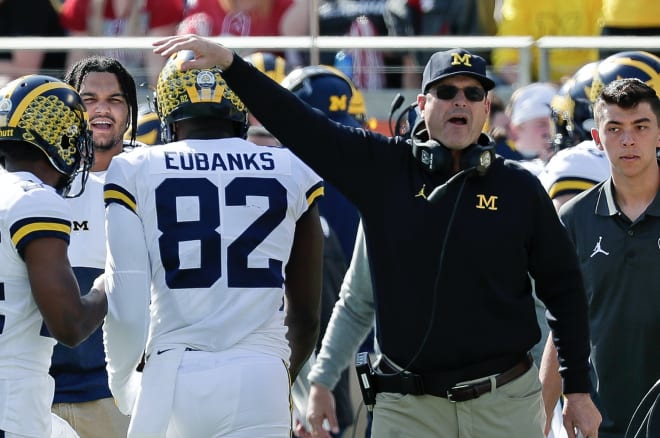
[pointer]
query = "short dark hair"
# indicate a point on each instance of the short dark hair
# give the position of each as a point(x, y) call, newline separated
point(105, 64)
point(626, 93)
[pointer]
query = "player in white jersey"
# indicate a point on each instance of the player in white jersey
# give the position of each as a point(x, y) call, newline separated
point(574, 169)
point(44, 143)
point(205, 233)
point(82, 396)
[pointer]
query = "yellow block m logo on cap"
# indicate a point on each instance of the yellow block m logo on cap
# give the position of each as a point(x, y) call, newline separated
point(458, 59)
point(339, 103)
point(484, 202)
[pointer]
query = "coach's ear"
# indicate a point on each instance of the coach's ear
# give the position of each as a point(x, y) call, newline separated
point(596, 136)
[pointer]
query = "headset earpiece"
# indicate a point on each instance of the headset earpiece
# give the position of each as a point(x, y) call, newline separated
point(433, 156)
point(479, 156)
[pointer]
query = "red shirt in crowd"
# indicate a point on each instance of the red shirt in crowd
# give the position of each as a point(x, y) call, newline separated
point(208, 18)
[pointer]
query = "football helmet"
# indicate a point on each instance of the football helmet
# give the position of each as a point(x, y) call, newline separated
point(572, 106)
point(325, 89)
point(642, 65)
point(357, 106)
point(562, 116)
point(49, 114)
point(182, 95)
point(270, 64)
point(148, 128)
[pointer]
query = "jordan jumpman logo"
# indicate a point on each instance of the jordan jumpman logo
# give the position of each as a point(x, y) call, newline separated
point(598, 249)
point(421, 193)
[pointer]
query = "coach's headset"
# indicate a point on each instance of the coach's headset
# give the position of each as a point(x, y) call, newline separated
point(437, 158)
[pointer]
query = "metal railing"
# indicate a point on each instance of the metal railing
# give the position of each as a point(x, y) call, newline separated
point(316, 44)
point(312, 44)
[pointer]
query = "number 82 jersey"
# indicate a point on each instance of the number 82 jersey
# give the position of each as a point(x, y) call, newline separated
point(208, 225)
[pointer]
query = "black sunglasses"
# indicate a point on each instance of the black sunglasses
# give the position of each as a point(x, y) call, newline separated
point(448, 92)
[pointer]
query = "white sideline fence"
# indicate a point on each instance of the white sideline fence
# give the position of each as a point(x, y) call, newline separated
point(314, 45)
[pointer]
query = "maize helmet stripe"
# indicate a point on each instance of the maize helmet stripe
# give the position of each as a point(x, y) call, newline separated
point(29, 99)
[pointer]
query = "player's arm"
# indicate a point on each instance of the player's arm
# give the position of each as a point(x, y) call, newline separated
point(303, 288)
point(350, 322)
point(551, 380)
point(128, 280)
point(69, 317)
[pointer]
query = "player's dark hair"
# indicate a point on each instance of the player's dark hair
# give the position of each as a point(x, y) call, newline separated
point(627, 93)
point(103, 64)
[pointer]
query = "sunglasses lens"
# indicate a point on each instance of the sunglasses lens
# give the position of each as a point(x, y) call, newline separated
point(446, 92)
point(473, 94)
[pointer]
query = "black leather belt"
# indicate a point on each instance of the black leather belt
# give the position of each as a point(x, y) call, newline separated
point(470, 391)
point(416, 384)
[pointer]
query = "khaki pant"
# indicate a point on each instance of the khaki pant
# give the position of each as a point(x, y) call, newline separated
point(513, 410)
point(94, 419)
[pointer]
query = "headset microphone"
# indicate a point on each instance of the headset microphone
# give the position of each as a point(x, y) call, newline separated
point(396, 102)
point(395, 105)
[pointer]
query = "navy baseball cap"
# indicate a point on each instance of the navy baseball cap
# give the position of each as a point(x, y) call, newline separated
point(324, 89)
point(455, 62)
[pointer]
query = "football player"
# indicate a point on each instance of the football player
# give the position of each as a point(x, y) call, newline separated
point(82, 396)
point(207, 234)
point(44, 144)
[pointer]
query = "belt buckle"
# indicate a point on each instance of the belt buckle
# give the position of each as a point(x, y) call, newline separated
point(452, 393)
point(412, 383)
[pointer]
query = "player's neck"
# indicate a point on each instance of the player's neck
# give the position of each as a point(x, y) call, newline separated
point(634, 195)
point(41, 169)
point(102, 157)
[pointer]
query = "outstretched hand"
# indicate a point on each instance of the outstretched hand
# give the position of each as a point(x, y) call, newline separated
point(207, 53)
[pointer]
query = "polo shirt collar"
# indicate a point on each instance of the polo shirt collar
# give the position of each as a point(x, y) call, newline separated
point(605, 205)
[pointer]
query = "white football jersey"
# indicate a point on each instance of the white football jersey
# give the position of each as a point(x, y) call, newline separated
point(208, 226)
point(87, 248)
point(575, 169)
point(29, 210)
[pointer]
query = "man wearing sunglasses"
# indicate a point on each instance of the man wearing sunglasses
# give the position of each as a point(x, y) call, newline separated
point(453, 301)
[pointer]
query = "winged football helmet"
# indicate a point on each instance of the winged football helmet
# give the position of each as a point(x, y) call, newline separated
point(272, 65)
point(148, 128)
point(638, 64)
point(325, 89)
